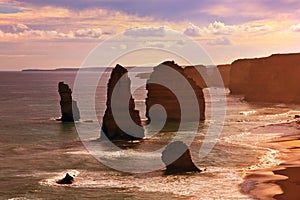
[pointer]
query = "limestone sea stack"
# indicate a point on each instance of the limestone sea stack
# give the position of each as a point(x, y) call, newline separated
point(177, 158)
point(124, 123)
point(69, 108)
point(270, 79)
point(166, 80)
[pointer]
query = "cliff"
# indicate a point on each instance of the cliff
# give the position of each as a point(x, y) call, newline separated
point(270, 79)
point(168, 80)
point(121, 121)
point(216, 76)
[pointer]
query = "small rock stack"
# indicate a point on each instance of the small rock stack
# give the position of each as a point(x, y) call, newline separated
point(177, 158)
point(69, 108)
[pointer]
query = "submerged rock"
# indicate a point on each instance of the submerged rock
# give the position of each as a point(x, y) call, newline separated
point(177, 158)
point(125, 122)
point(69, 108)
point(68, 179)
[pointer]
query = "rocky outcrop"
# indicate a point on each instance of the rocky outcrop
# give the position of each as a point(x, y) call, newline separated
point(209, 76)
point(68, 179)
point(121, 121)
point(167, 80)
point(69, 108)
point(271, 79)
point(177, 158)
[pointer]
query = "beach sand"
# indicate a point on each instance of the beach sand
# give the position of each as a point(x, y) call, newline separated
point(281, 182)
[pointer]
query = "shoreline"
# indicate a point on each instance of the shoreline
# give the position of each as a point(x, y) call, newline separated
point(281, 182)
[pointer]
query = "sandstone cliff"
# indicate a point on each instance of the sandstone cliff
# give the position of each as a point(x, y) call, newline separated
point(270, 79)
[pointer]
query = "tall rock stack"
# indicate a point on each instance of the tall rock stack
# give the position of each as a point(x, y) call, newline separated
point(121, 121)
point(162, 95)
point(69, 108)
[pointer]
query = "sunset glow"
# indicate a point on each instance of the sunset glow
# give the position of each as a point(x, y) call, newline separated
point(53, 34)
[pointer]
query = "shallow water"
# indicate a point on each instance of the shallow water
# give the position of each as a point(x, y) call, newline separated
point(36, 150)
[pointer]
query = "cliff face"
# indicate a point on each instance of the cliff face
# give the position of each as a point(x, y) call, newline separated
point(270, 79)
point(212, 74)
point(121, 121)
point(239, 76)
point(69, 108)
point(225, 74)
point(165, 82)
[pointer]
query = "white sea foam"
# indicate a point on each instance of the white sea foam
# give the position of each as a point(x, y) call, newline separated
point(267, 160)
point(250, 112)
point(222, 180)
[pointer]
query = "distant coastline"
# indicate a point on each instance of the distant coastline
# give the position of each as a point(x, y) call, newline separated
point(91, 69)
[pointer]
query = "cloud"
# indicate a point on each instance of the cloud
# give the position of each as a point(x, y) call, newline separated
point(20, 27)
point(295, 28)
point(88, 33)
point(192, 30)
point(256, 28)
point(219, 41)
point(154, 8)
point(7, 9)
point(220, 28)
point(145, 31)
point(215, 28)
point(232, 11)
point(22, 31)
point(244, 11)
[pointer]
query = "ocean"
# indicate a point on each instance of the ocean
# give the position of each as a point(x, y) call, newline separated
point(36, 150)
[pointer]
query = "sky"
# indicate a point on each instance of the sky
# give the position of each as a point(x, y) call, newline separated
point(50, 34)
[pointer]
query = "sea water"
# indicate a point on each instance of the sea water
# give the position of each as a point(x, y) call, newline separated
point(36, 150)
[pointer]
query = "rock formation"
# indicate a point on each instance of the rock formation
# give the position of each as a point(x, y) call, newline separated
point(271, 79)
point(125, 123)
point(216, 76)
point(177, 158)
point(225, 74)
point(68, 179)
point(69, 108)
point(239, 76)
point(171, 77)
point(196, 73)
